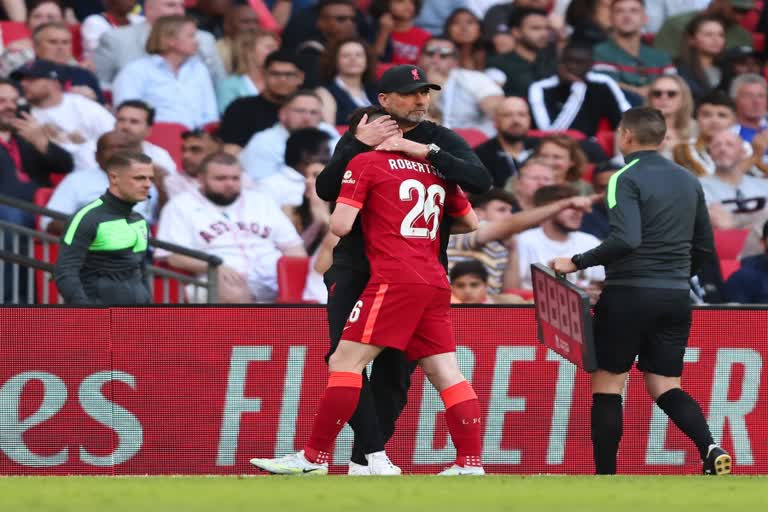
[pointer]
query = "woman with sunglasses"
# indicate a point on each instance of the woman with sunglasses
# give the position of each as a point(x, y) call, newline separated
point(348, 79)
point(671, 95)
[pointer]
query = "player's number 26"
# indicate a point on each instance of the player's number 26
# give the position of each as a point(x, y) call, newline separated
point(428, 203)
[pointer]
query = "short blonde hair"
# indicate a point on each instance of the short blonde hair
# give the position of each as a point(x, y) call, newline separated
point(163, 28)
point(243, 44)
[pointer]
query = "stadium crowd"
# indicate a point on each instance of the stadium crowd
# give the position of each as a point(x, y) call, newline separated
point(247, 100)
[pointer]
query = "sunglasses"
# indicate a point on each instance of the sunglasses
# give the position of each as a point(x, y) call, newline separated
point(343, 19)
point(669, 93)
point(444, 53)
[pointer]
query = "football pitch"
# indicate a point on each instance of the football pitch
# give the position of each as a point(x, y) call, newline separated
point(393, 494)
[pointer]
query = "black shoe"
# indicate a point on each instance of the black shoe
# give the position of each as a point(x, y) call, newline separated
point(718, 462)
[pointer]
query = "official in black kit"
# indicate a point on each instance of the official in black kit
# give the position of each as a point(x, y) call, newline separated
point(405, 96)
point(660, 235)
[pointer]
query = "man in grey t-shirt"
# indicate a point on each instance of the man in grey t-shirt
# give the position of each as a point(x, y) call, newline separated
point(735, 200)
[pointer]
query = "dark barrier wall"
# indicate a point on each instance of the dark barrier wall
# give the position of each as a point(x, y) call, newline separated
point(201, 390)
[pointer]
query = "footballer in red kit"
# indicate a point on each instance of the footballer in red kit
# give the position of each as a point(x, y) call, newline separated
point(402, 201)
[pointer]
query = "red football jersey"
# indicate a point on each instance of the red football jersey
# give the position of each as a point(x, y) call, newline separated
point(407, 46)
point(401, 201)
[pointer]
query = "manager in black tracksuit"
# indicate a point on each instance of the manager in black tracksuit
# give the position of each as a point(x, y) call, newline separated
point(404, 94)
point(660, 236)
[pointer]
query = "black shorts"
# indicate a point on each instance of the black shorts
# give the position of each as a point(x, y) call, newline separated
point(649, 323)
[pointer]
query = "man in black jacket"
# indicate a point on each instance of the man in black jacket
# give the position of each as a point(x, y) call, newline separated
point(27, 159)
point(405, 95)
point(660, 236)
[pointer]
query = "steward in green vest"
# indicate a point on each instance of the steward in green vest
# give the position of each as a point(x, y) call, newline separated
point(102, 257)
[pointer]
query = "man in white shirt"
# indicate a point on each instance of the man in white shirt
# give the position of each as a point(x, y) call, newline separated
point(71, 120)
point(555, 235)
point(246, 229)
point(79, 188)
point(468, 98)
point(136, 118)
point(264, 155)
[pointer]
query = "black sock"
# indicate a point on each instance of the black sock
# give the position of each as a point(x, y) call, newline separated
point(365, 424)
point(607, 425)
point(683, 410)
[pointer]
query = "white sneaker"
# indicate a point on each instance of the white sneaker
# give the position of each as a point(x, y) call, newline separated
point(356, 469)
point(380, 465)
point(457, 470)
point(292, 464)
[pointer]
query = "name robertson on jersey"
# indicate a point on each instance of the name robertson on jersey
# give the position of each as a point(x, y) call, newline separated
point(217, 229)
point(397, 164)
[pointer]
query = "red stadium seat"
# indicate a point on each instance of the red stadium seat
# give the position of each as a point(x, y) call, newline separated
point(168, 136)
point(574, 134)
point(589, 171)
point(473, 136)
point(14, 31)
point(77, 41)
point(728, 267)
point(174, 290)
point(42, 196)
point(56, 178)
point(758, 41)
point(606, 141)
point(212, 127)
point(51, 257)
point(342, 128)
point(291, 279)
point(729, 242)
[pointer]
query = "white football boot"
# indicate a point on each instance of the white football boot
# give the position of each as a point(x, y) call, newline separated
point(380, 465)
point(291, 464)
point(457, 470)
point(356, 469)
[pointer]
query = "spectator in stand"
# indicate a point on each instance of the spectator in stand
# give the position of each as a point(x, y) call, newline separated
point(532, 57)
point(533, 175)
point(463, 28)
point(576, 98)
point(210, 14)
point(716, 112)
point(72, 120)
point(196, 145)
point(469, 283)
point(434, 13)
point(246, 116)
point(13, 10)
point(304, 146)
point(741, 60)
point(697, 65)
point(135, 118)
point(468, 98)
point(243, 227)
point(497, 26)
point(596, 222)
point(749, 284)
point(264, 155)
point(241, 18)
point(567, 160)
point(590, 21)
point(117, 13)
point(53, 42)
point(625, 58)
point(504, 154)
point(172, 78)
point(250, 50)
point(335, 21)
point(19, 52)
point(396, 27)
point(660, 10)
point(122, 45)
point(672, 97)
point(556, 234)
point(492, 243)
point(750, 93)
point(27, 158)
point(79, 188)
point(348, 79)
point(730, 12)
point(321, 21)
point(735, 200)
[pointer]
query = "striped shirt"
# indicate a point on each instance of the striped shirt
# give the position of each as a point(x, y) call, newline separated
point(635, 70)
point(493, 255)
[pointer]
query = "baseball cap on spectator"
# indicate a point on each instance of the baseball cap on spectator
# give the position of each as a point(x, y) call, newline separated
point(738, 52)
point(404, 79)
point(37, 69)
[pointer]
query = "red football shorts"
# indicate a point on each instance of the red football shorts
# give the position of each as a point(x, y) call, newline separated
point(413, 318)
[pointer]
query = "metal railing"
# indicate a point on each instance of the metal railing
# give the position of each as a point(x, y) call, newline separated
point(26, 265)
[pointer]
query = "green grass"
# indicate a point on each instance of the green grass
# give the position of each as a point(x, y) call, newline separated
point(413, 493)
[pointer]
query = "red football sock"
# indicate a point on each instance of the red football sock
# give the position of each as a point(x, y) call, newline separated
point(334, 410)
point(462, 413)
